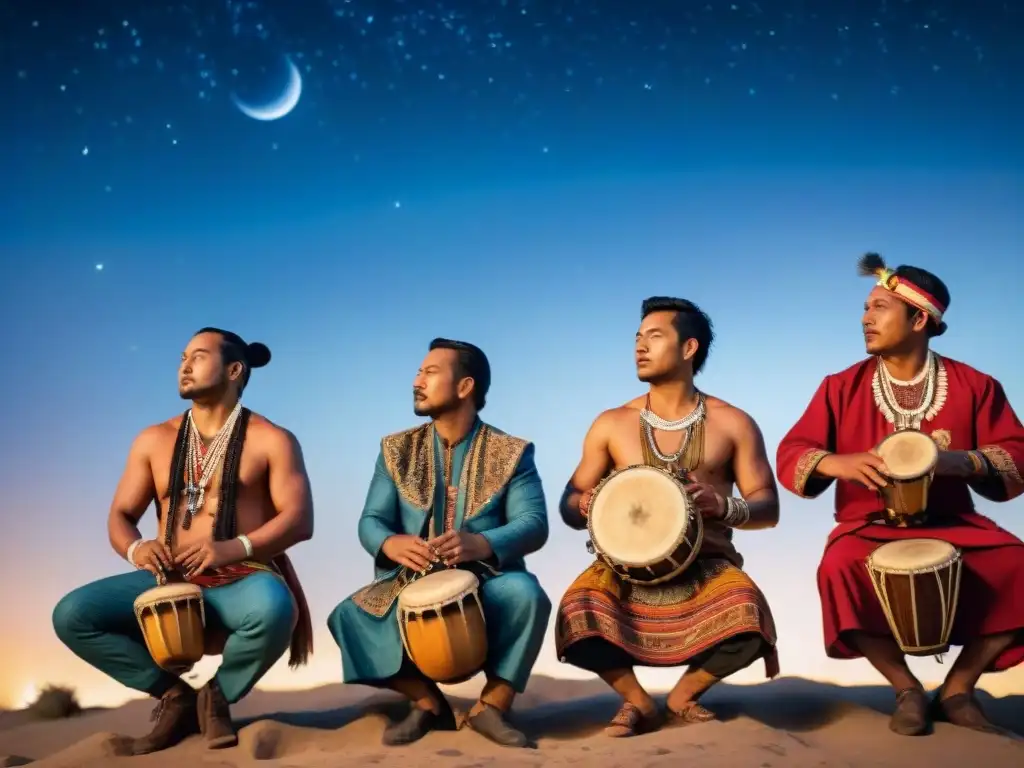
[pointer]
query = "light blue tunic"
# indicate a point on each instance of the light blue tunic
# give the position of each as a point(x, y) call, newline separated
point(500, 497)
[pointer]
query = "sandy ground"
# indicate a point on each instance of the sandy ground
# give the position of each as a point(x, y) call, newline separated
point(787, 722)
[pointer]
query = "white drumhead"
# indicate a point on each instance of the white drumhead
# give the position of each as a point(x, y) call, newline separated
point(168, 593)
point(638, 516)
point(908, 554)
point(908, 454)
point(437, 588)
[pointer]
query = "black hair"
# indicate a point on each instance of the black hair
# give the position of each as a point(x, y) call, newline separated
point(470, 362)
point(690, 322)
point(234, 350)
point(922, 278)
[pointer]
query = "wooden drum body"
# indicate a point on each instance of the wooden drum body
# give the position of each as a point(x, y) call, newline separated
point(172, 618)
point(918, 584)
point(910, 456)
point(643, 525)
point(441, 620)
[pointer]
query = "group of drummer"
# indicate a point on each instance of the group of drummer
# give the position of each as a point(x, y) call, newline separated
point(456, 505)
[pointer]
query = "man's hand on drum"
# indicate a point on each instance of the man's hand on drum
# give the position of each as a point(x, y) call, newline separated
point(709, 503)
point(410, 551)
point(457, 547)
point(584, 503)
point(153, 556)
point(865, 468)
point(208, 555)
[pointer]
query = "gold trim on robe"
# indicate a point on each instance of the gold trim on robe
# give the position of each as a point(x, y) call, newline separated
point(491, 461)
point(1002, 462)
point(805, 467)
point(409, 458)
point(377, 598)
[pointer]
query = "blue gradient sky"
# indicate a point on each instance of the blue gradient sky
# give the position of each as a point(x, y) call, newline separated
point(531, 221)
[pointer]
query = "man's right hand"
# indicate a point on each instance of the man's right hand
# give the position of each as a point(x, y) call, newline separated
point(410, 551)
point(153, 556)
point(866, 468)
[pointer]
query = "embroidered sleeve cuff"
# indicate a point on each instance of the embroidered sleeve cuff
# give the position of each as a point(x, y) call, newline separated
point(1005, 468)
point(805, 483)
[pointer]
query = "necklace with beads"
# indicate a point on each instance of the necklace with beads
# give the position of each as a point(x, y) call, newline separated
point(204, 463)
point(906, 404)
point(652, 421)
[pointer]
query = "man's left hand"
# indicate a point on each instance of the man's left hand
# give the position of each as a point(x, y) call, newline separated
point(707, 500)
point(209, 555)
point(457, 547)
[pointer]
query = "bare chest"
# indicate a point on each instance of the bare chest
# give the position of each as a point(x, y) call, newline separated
point(247, 489)
point(627, 448)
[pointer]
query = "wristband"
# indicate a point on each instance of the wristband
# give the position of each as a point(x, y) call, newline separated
point(737, 512)
point(130, 554)
point(247, 544)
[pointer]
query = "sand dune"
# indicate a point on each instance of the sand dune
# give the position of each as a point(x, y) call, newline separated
point(787, 722)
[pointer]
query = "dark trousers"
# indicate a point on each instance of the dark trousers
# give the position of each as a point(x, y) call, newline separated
point(727, 658)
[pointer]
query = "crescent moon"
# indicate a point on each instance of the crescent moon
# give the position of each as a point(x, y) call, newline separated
point(280, 106)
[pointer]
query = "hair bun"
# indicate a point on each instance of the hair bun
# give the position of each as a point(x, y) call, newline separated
point(257, 354)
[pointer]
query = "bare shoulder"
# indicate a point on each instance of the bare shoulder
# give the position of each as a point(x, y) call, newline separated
point(157, 436)
point(273, 437)
point(731, 419)
point(619, 416)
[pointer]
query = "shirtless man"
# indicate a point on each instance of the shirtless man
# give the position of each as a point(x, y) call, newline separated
point(712, 617)
point(240, 497)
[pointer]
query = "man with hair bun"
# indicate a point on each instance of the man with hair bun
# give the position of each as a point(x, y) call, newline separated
point(904, 385)
point(232, 495)
point(711, 616)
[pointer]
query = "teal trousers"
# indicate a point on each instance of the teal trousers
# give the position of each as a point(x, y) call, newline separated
point(97, 623)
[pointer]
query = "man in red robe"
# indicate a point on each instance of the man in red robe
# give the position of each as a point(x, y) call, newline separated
point(903, 384)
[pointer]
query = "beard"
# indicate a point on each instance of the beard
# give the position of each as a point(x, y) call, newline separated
point(429, 410)
point(194, 392)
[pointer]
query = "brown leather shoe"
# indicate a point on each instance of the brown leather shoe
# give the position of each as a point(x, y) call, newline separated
point(911, 715)
point(175, 718)
point(215, 717)
point(963, 709)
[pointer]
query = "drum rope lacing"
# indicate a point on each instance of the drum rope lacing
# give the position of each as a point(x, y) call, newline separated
point(932, 398)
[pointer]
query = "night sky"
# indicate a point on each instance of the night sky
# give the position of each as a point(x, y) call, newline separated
point(518, 174)
point(124, 112)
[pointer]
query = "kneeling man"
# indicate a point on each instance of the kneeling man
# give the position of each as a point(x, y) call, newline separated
point(453, 492)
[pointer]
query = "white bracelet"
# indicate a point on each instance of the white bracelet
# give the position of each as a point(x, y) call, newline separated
point(737, 513)
point(130, 554)
point(246, 543)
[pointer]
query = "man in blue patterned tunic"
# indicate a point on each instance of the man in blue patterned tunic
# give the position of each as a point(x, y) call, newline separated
point(457, 492)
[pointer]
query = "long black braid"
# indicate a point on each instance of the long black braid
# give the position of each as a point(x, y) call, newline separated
point(225, 524)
